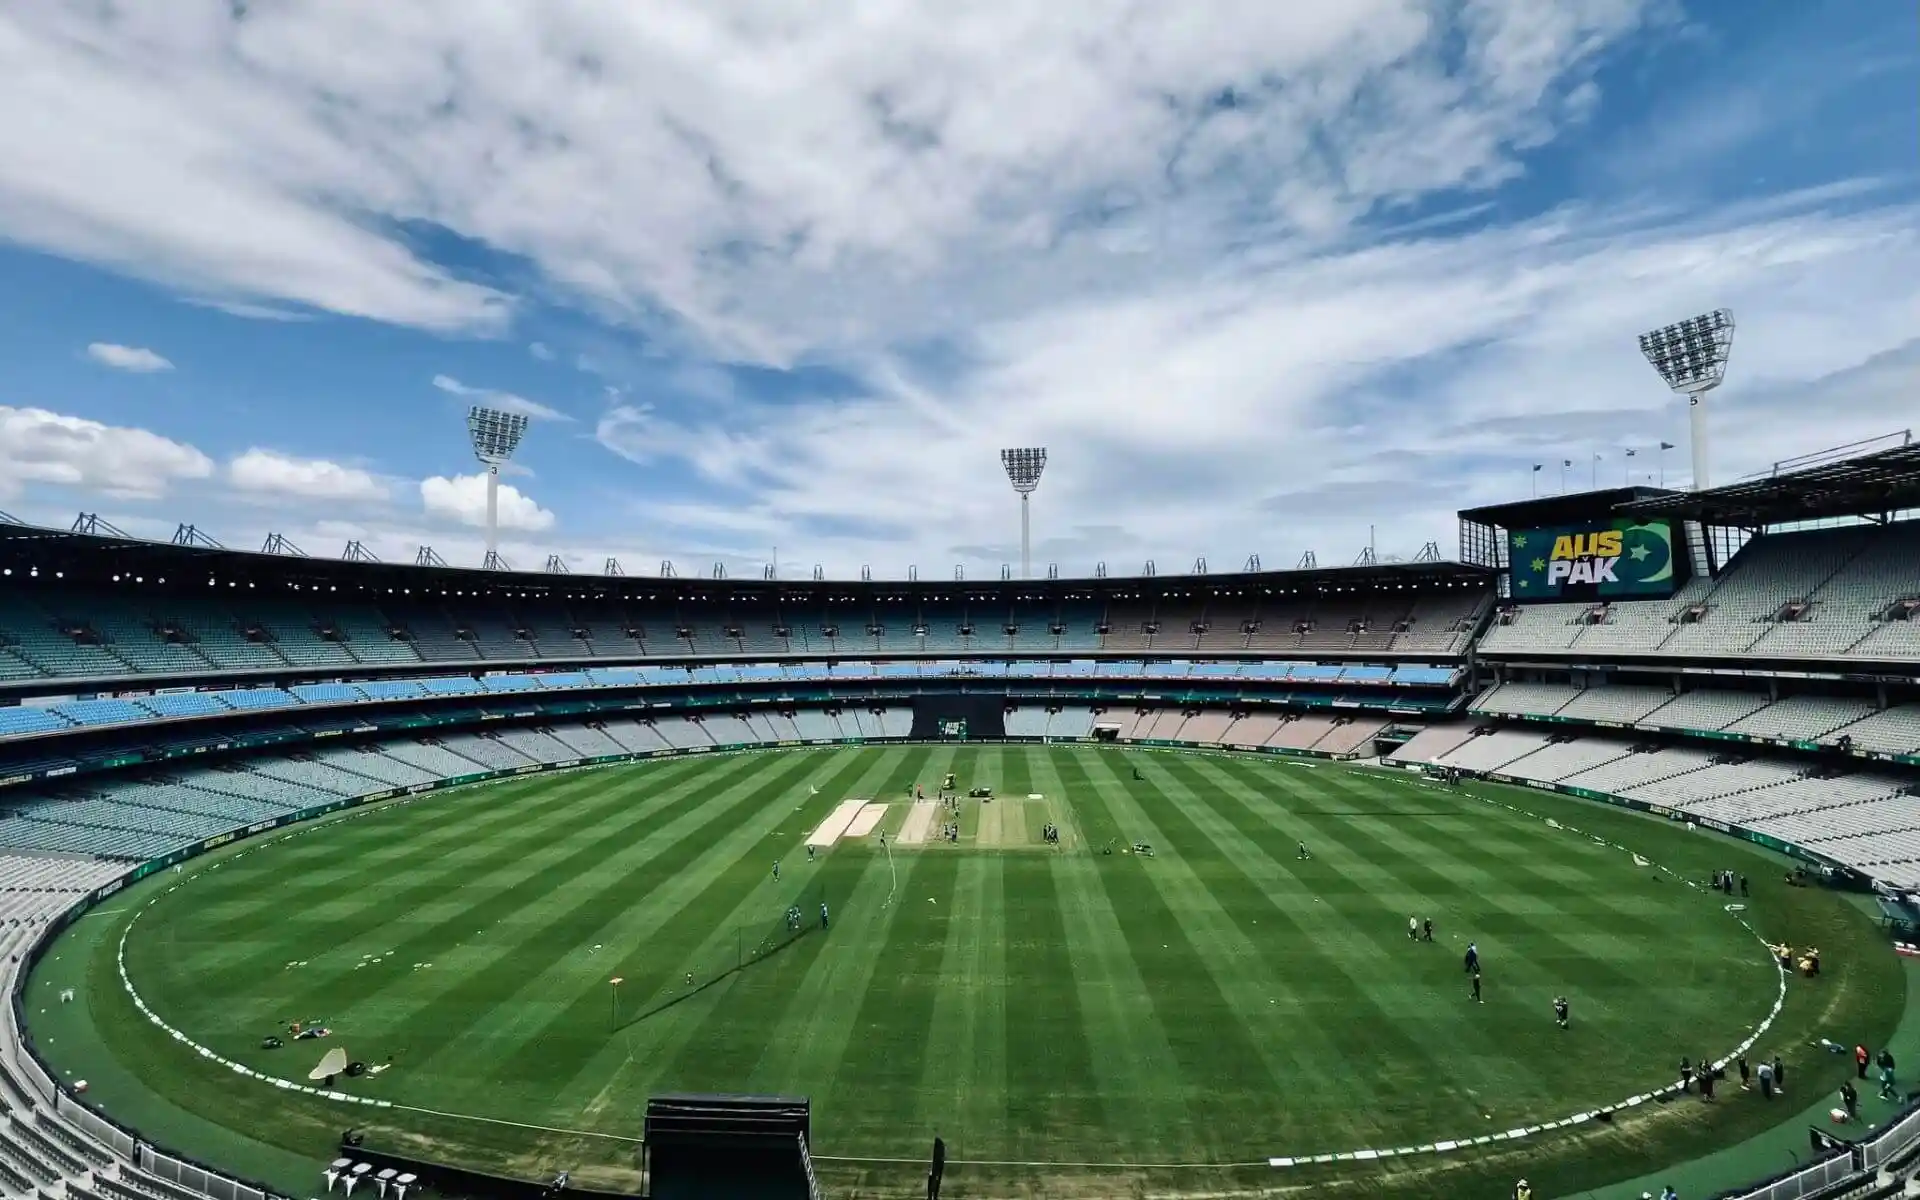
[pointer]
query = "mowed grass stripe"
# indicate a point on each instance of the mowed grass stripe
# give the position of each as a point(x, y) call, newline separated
point(963, 1073)
point(497, 931)
point(881, 1062)
point(1178, 933)
point(701, 905)
point(1053, 1091)
point(1429, 860)
point(793, 1001)
point(1521, 979)
point(504, 880)
point(416, 844)
point(1311, 1018)
point(1135, 1057)
point(437, 1024)
point(809, 1026)
point(433, 821)
point(740, 1035)
point(1415, 987)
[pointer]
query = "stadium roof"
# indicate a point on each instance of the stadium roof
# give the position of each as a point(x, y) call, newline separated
point(1869, 485)
point(105, 558)
point(1568, 509)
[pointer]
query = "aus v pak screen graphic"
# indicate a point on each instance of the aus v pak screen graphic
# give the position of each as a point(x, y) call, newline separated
point(1607, 559)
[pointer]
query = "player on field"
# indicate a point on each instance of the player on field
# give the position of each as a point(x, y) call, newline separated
point(1303, 851)
point(1476, 987)
point(823, 914)
point(1560, 1011)
point(1413, 929)
point(776, 870)
point(1473, 958)
point(1426, 930)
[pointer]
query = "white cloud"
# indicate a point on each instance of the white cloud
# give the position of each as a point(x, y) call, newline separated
point(37, 446)
point(1128, 232)
point(1278, 408)
point(137, 359)
point(541, 351)
point(463, 498)
point(504, 401)
point(268, 472)
point(773, 178)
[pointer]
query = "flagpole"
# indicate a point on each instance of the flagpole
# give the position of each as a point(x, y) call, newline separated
point(1594, 474)
point(1563, 477)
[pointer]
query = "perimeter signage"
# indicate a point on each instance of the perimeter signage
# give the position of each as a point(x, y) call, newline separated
point(1607, 559)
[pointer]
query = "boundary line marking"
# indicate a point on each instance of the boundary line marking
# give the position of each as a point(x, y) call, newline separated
point(1277, 1161)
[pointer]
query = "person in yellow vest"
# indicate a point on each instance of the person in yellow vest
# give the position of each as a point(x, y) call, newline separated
point(1523, 1191)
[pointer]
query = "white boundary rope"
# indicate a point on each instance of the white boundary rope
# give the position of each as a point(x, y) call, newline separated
point(1277, 1161)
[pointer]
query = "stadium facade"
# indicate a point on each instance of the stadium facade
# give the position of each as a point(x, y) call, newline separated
point(1746, 659)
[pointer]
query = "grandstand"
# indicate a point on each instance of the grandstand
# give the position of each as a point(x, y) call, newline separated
point(1773, 694)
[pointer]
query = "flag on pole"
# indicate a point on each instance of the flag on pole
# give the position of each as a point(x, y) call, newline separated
point(1631, 451)
point(1537, 466)
point(1596, 456)
point(1666, 445)
point(1566, 462)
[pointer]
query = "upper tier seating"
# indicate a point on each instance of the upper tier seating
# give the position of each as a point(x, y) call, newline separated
point(1845, 593)
point(113, 634)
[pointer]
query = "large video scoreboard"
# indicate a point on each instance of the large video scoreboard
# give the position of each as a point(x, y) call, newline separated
point(1604, 559)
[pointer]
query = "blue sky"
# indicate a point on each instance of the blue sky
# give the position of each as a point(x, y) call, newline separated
point(1261, 277)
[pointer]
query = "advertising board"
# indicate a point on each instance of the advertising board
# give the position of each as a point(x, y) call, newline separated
point(1604, 559)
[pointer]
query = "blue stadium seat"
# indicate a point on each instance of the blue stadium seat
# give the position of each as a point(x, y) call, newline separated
point(253, 699)
point(1366, 674)
point(102, 712)
point(329, 693)
point(392, 689)
point(25, 719)
point(183, 704)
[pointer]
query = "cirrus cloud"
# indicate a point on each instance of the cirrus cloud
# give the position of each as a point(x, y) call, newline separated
point(136, 359)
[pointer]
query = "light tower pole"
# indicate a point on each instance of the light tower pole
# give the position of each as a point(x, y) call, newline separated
point(1691, 355)
point(495, 435)
point(1023, 469)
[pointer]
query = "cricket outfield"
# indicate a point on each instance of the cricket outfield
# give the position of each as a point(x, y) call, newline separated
point(1073, 1022)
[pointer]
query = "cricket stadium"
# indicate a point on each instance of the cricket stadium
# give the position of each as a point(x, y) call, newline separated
point(1577, 856)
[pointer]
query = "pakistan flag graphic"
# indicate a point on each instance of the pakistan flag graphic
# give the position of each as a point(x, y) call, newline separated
point(1617, 558)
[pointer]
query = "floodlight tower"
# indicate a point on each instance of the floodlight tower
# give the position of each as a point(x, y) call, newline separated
point(1691, 356)
point(496, 435)
point(1023, 469)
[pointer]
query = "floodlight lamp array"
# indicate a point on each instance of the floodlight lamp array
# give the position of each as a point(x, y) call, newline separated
point(1024, 467)
point(1691, 355)
point(495, 434)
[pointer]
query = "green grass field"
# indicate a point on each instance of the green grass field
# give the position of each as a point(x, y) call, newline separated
point(1074, 1023)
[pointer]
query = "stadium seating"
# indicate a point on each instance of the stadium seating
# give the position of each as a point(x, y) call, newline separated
point(109, 634)
point(1543, 699)
point(1432, 744)
point(1810, 594)
point(1560, 759)
point(1493, 749)
point(1027, 722)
